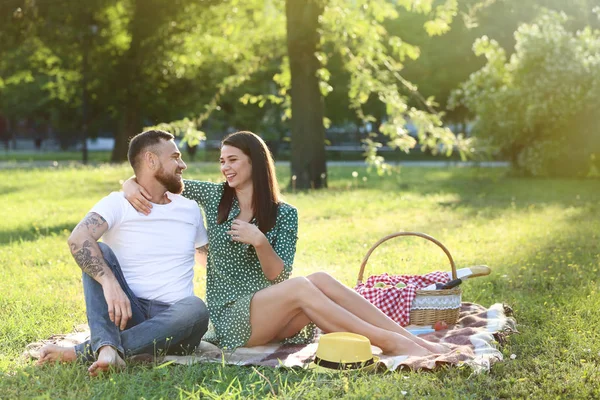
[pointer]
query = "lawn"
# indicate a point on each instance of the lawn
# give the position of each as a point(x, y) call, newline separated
point(94, 157)
point(540, 237)
point(45, 156)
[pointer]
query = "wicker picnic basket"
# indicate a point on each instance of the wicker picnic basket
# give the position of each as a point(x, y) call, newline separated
point(428, 306)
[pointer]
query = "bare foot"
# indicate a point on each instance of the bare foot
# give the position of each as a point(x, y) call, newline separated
point(51, 353)
point(417, 351)
point(409, 349)
point(434, 347)
point(438, 348)
point(108, 359)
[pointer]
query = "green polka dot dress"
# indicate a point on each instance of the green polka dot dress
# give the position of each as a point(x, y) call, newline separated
point(233, 270)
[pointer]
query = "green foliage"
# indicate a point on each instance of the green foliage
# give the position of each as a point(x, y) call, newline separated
point(446, 61)
point(233, 45)
point(375, 69)
point(163, 60)
point(538, 236)
point(539, 107)
point(41, 63)
point(212, 66)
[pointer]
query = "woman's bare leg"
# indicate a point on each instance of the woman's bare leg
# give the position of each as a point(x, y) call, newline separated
point(363, 309)
point(295, 325)
point(274, 308)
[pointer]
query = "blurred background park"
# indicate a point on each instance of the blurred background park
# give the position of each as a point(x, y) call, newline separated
point(510, 80)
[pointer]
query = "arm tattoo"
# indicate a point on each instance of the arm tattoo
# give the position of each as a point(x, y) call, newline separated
point(91, 265)
point(92, 221)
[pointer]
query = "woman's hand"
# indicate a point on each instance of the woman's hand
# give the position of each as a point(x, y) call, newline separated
point(137, 196)
point(245, 232)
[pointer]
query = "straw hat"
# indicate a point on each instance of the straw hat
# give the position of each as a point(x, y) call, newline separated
point(343, 351)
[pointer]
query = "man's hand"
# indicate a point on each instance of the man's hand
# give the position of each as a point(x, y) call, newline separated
point(87, 254)
point(119, 306)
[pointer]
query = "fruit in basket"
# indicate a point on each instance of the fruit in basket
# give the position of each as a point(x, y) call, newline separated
point(382, 285)
point(440, 325)
point(400, 285)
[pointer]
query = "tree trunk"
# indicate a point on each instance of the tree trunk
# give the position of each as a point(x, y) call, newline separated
point(130, 127)
point(309, 169)
point(131, 75)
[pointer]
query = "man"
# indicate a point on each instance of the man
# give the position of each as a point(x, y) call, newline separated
point(138, 284)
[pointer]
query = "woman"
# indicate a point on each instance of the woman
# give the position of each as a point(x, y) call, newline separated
point(252, 242)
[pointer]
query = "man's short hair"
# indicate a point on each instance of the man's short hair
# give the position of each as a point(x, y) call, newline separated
point(140, 143)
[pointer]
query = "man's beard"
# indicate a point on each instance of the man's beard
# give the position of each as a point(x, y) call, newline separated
point(170, 181)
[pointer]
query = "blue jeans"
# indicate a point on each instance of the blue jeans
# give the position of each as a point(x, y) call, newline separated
point(155, 327)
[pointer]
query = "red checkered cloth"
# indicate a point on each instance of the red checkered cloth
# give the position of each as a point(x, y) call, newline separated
point(395, 302)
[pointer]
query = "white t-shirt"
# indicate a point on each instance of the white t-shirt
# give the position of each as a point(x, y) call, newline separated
point(156, 252)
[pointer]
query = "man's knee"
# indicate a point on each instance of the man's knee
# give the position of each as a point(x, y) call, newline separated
point(194, 309)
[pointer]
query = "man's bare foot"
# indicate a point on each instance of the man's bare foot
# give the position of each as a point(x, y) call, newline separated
point(51, 353)
point(108, 359)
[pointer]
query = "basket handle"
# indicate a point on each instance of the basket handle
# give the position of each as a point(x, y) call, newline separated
point(393, 235)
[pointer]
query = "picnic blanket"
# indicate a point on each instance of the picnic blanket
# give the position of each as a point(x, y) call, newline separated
point(477, 335)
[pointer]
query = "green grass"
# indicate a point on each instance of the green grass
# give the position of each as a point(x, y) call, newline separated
point(210, 155)
point(540, 237)
point(31, 156)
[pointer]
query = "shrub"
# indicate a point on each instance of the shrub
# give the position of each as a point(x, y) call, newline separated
point(540, 108)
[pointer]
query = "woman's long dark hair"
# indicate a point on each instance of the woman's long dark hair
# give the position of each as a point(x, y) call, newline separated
point(265, 193)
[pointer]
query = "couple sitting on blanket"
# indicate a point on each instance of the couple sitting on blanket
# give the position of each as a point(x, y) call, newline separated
point(138, 284)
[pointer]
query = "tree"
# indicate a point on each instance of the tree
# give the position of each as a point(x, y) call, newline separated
point(42, 69)
point(445, 62)
point(374, 69)
point(145, 64)
point(162, 61)
point(156, 29)
point(308, 133)
point(540, 107)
